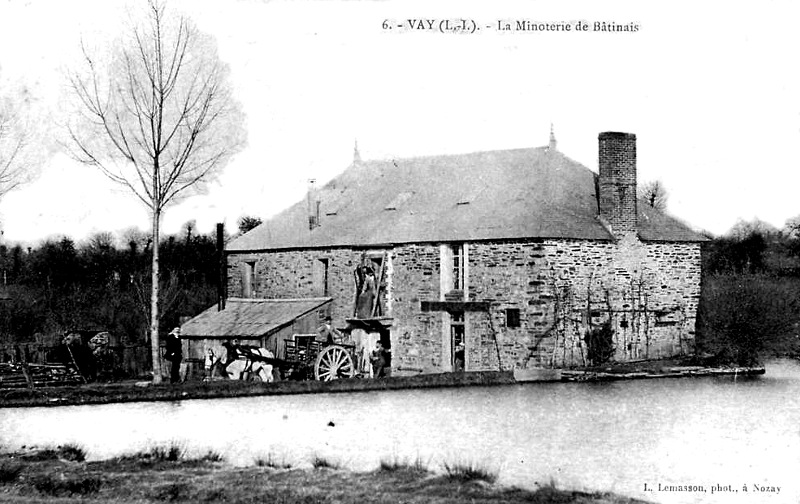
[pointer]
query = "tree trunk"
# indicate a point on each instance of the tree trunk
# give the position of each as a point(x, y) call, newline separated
point(155, 344)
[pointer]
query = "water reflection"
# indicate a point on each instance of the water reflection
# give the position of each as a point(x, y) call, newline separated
point(614, 436)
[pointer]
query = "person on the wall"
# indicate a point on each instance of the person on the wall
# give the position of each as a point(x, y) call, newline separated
point(174, 354)
point(366, 295)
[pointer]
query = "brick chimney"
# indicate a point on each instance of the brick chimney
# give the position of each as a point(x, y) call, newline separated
point(617, 182)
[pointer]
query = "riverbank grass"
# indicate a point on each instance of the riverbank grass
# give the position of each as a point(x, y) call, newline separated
point(418, 466)
point(470, 471)
point(320, 462)
point(271, 461)
point(34, 479)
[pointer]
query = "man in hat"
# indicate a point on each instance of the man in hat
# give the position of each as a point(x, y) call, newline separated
point(378, 360)
point(174, 354)
point(327, 333)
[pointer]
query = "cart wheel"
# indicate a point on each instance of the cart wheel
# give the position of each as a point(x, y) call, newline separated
point(334, 362)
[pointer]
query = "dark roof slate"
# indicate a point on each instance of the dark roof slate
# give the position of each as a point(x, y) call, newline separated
point(249, 317)
point(495, 195)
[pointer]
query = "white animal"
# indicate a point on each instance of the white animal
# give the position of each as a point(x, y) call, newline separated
point(246, 367)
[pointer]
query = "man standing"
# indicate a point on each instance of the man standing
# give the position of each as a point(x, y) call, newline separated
point(378, 360)
point(458, 364)
point(174, 354)
point(327, 333)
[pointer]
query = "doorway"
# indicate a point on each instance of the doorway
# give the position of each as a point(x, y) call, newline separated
point(457, 342)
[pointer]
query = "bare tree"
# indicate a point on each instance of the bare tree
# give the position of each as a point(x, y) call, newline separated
point(188, 229)
point(16, 162)
point(654, 195)
point(247, 223)
point(158, 118)
point(134, 238)
point(101, 240)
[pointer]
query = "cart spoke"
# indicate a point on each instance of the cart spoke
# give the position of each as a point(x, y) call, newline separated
point(334, 362)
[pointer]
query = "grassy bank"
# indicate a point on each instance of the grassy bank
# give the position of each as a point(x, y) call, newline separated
point(169, 475)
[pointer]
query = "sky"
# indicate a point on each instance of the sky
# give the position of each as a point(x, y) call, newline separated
point(709, 88)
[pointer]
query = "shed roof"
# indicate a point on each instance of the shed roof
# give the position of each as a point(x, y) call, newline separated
point(243, 318)
point(505, 194)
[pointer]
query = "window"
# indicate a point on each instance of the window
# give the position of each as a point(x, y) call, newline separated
point(512, 317)
point(322, 276)
point(454, 272)
point(248, 278)
point(458, 266)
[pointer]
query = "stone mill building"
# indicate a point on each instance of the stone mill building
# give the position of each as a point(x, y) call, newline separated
point(517, 258)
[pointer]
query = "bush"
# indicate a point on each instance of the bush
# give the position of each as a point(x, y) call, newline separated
point(72, 452)
point(9, 472)
point(600, 344)
point(741, 318)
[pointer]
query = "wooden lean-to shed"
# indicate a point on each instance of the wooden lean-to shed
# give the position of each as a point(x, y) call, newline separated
point(264, 323)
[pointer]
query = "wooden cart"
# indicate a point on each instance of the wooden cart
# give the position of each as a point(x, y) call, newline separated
point(320, 361)
point(306, 358)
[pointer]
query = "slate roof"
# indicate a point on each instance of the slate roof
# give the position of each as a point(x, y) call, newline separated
point(249, 317)
point(506, 194)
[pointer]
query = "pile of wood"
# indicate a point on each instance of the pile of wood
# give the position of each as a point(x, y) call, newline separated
point(38, 375)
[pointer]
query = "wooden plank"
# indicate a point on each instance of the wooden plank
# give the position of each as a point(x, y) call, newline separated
point(355, 288)
point(454, 306)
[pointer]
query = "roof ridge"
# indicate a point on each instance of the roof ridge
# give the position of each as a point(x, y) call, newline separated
point(455, 154)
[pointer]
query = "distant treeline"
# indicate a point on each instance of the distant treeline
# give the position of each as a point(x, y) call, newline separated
point(102, 284)
point(750, 305)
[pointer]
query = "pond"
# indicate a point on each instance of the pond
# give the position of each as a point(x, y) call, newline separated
point(625, 437)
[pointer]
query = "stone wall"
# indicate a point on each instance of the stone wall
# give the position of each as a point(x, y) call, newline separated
point(648, 293)
point(417, 337)
point(298, 274)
